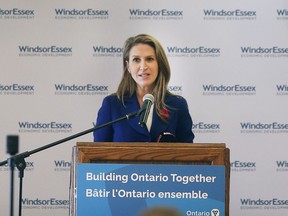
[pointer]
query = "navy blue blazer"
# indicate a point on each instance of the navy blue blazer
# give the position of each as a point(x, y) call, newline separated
point(179, 121)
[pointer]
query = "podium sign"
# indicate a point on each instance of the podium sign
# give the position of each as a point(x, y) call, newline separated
point(126, 189)
point(121, 179)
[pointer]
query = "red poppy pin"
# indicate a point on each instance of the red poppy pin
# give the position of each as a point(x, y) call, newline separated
point(164, 114)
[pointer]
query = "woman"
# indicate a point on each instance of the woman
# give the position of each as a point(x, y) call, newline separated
point(146, 70)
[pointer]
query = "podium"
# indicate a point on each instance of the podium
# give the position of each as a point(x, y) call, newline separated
point(189, 155)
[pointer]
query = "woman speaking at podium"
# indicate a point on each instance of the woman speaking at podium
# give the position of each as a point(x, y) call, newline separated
point(144, 84)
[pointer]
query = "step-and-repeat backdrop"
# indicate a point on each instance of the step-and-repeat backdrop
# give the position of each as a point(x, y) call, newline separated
point(229, 59)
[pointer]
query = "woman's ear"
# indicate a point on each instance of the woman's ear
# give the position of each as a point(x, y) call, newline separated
point(127, 66)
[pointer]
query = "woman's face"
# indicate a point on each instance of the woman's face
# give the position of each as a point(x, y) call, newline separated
point(143, 66)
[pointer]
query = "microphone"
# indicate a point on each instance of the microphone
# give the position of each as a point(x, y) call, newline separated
point(143, 114)
point(12, 144)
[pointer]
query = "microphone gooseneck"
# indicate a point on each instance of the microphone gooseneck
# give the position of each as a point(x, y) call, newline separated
point(148, 101)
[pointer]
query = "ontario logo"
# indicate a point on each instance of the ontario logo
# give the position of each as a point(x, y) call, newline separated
point(263, 128)
point(213, 212)
point(81, 14)
point(263, 52)
point(44, 51)
point(44, 127)
point(282, 90)
point(49, 203)
point(17, 89)
point(211, 14)
point(282, 14)
point(204, 127)
point(193, 52)
point(263, 204)
point(230, 90)
point(107, 51)
point(17, 13)
point(162, 14)
point(88, 89)
point(242, 166)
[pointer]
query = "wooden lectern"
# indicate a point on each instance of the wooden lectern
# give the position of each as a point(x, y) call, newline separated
point(151, 153)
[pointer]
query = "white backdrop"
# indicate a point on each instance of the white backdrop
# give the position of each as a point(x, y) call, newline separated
point(229, 59)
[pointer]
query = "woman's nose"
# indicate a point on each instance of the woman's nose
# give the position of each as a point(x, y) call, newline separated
point(143, 65)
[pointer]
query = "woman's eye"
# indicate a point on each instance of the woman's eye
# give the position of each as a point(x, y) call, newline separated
point(150, 59)
point(136, 59)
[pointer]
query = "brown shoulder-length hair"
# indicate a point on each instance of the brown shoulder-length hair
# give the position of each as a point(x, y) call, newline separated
point(127, 86)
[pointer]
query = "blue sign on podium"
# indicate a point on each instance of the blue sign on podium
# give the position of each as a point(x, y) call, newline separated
point(126, 189)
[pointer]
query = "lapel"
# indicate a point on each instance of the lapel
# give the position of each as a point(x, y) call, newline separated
point(132, 105)
point(158, 126)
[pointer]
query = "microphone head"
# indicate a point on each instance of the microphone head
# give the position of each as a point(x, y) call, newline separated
point(149, 97)
point(12, 144)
